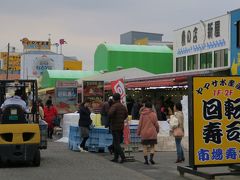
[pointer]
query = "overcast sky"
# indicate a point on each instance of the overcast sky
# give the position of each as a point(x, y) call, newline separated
point(84, 24)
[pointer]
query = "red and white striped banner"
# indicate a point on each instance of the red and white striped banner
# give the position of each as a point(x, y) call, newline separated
point(118, 87)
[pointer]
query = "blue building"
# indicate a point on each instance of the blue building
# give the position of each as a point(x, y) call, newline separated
point(144, 38)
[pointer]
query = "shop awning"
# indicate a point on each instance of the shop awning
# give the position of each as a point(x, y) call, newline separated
point(126, 74)
point(169, 80)
point(50, 77)
point(180, 81)
point(155, 83)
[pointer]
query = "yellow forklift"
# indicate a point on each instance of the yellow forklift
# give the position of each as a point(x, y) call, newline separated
point(19, 129)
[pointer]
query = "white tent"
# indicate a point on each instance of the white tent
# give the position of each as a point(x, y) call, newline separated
point(126, 74)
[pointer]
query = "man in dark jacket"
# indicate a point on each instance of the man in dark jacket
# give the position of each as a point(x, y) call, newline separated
point(84, 122)
point(135, 110)
point(104, 112)
point(117, 114)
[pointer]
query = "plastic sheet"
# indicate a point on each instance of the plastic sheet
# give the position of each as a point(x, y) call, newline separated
point(70, 119)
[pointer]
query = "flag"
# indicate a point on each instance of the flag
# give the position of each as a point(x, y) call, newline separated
point(62, 41)
point(118, 87)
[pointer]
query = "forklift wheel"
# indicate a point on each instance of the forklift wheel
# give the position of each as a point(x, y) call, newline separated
point(37, 159)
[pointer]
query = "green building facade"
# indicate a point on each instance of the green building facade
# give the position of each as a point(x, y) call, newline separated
point(154, 59)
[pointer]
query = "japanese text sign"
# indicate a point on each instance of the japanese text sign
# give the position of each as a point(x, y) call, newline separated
point(42, 45)
point(204, 36)
point(216, 120)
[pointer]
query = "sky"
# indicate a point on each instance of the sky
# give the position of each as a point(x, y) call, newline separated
point(84, 24)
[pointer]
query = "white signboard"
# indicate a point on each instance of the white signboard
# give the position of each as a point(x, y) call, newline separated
point(33, 65)
point(202, 37)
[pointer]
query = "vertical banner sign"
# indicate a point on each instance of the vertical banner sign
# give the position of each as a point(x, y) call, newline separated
point(118, 87)
point(93, 90)
point(216, 121)
point(66, 96)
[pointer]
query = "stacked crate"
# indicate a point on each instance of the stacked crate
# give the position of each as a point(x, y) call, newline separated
point(135, 139)
point(74, 139)
point(43, 135)
point(99, 140)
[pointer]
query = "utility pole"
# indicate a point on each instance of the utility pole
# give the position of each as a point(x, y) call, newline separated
point(8, 59)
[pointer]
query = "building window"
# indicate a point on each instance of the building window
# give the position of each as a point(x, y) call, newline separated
point(192, 62)
point(238, 34)
point(181, 64)
point(206, 60)
point(221, 58)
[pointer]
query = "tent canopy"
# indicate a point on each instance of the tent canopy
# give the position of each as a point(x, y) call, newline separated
point(126, 74)
point(50, 77)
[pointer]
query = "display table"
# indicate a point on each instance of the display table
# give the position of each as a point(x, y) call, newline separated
point(71, 119)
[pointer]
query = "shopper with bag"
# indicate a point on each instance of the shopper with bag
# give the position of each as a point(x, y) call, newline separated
point(148, 129)
point(177, 129)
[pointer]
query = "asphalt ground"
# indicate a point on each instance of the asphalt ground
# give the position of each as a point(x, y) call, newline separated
point(59, 163)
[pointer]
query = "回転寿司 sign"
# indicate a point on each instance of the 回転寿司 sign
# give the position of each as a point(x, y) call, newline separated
point(215, 123)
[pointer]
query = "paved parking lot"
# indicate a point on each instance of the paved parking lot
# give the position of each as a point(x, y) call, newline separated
point(59, 163)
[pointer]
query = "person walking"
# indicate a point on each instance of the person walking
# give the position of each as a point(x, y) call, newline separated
point(135, 110)
point(104, 112)
point(178, 132)
point(117, 114)
point(148, 129)
point(84, 122)
point(40, 109)
point(105, 119)
point(50, 113)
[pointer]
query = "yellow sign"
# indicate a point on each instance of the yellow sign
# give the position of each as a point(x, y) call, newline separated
point(216, 120)
point(36, 45)
point(14, 61)
point(72, 65)
point(143, 41)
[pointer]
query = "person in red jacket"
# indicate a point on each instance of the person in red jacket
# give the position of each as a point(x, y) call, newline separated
point(50, 113)
point(148, 129)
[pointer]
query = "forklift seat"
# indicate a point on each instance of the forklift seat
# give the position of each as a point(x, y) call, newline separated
point(13, 114)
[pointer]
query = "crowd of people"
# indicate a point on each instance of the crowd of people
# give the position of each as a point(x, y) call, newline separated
point(113, 115)
point(160, 107)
